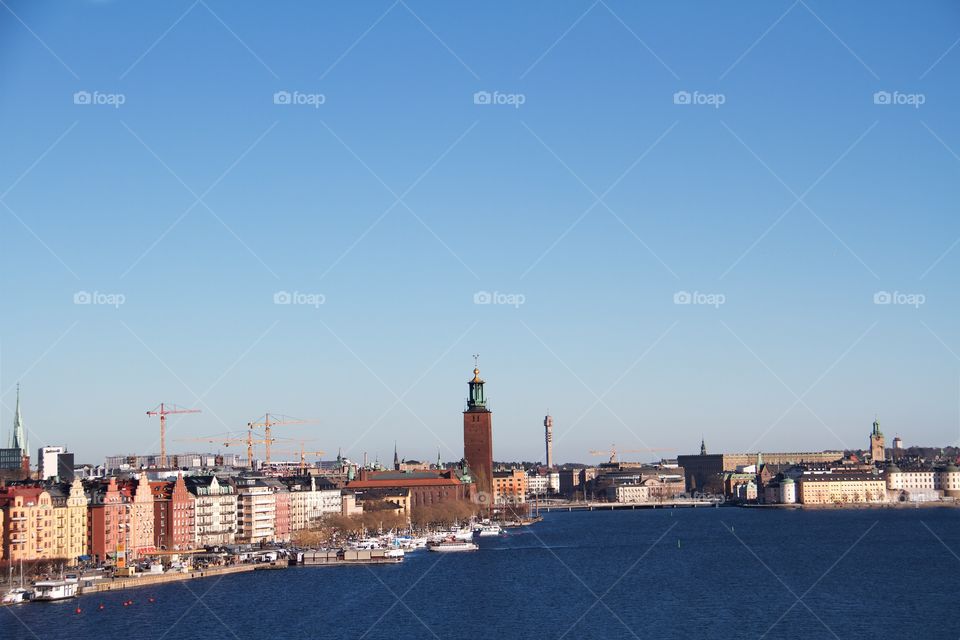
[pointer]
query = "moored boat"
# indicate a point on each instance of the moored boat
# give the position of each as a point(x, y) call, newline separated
point(489, 530)
point(49, 590)
point(16, 596)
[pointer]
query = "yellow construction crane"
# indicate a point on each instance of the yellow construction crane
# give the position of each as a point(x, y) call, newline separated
point(303, 453)
point(613, 452)
point(268, 421)
point(249, 441)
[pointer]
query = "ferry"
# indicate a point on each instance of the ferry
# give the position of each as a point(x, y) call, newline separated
point(452, 545)
point(54, 590)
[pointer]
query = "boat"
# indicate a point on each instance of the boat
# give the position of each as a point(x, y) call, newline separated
point(15, 596)
point(49, 590)
point(489, 530)
point(451, 545)
point(464, 534)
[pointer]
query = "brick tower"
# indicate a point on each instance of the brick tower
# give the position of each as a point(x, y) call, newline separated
point(478, 438)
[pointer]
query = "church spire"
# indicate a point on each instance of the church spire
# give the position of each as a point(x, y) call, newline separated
point(18, 439)
point(396, 459)
point(703, 447)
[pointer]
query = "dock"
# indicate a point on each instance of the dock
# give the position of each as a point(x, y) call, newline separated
point(148, 579)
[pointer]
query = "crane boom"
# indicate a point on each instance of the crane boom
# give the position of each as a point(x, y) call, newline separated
point(163, 411)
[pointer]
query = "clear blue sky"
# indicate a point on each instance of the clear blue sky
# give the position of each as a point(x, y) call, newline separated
point(198, 199)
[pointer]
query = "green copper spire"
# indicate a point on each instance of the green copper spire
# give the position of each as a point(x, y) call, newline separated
point(476, 402)
point(18, 439)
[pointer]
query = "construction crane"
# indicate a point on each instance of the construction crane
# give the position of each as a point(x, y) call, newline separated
point(249, 441)
point(163, 411)
point(303, 453)
point(613, 452)
point(267, 421)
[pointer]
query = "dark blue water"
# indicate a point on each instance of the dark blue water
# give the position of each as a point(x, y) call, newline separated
point(778, 574)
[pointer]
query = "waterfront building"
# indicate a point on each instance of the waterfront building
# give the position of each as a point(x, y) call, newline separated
point(478, 438)
point(174, 515)
point(571, 482)
point(47, 461)
point(704, 472)
point(510, 487)
point(26, 515)
point(281, 524)
point(141, 517)
point(426, 487)
point(215, 511)
point(311, 498)
point(841, 488)
point(398, 498)
point(108, 518)
point(922, 483)
point(69, 520)
point(256, 512)
point(537, 484)
point(877, 451)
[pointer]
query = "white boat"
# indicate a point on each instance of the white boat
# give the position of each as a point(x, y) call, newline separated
point(452, 545)
point(16, 596)
point(54, 590)
point(489, 530)
point(464, 534)
point(393, 553)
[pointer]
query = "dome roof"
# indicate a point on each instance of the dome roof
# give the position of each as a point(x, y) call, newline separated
point(892, 468)
point(787, 481)
point(951, 468)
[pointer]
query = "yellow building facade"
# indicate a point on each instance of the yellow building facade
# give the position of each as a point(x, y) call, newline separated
point(70, 524)
point(27, 521)
point(836, 488)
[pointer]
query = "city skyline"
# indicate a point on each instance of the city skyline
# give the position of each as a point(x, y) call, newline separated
point(735, 226)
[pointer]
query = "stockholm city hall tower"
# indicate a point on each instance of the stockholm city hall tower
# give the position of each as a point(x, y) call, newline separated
point(478, 437)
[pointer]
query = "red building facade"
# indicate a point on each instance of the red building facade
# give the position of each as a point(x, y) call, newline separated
point(174, 519)
point(108, 524)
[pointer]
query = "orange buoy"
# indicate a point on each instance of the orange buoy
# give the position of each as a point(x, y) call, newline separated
point(78, 610)
point(101, 607)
